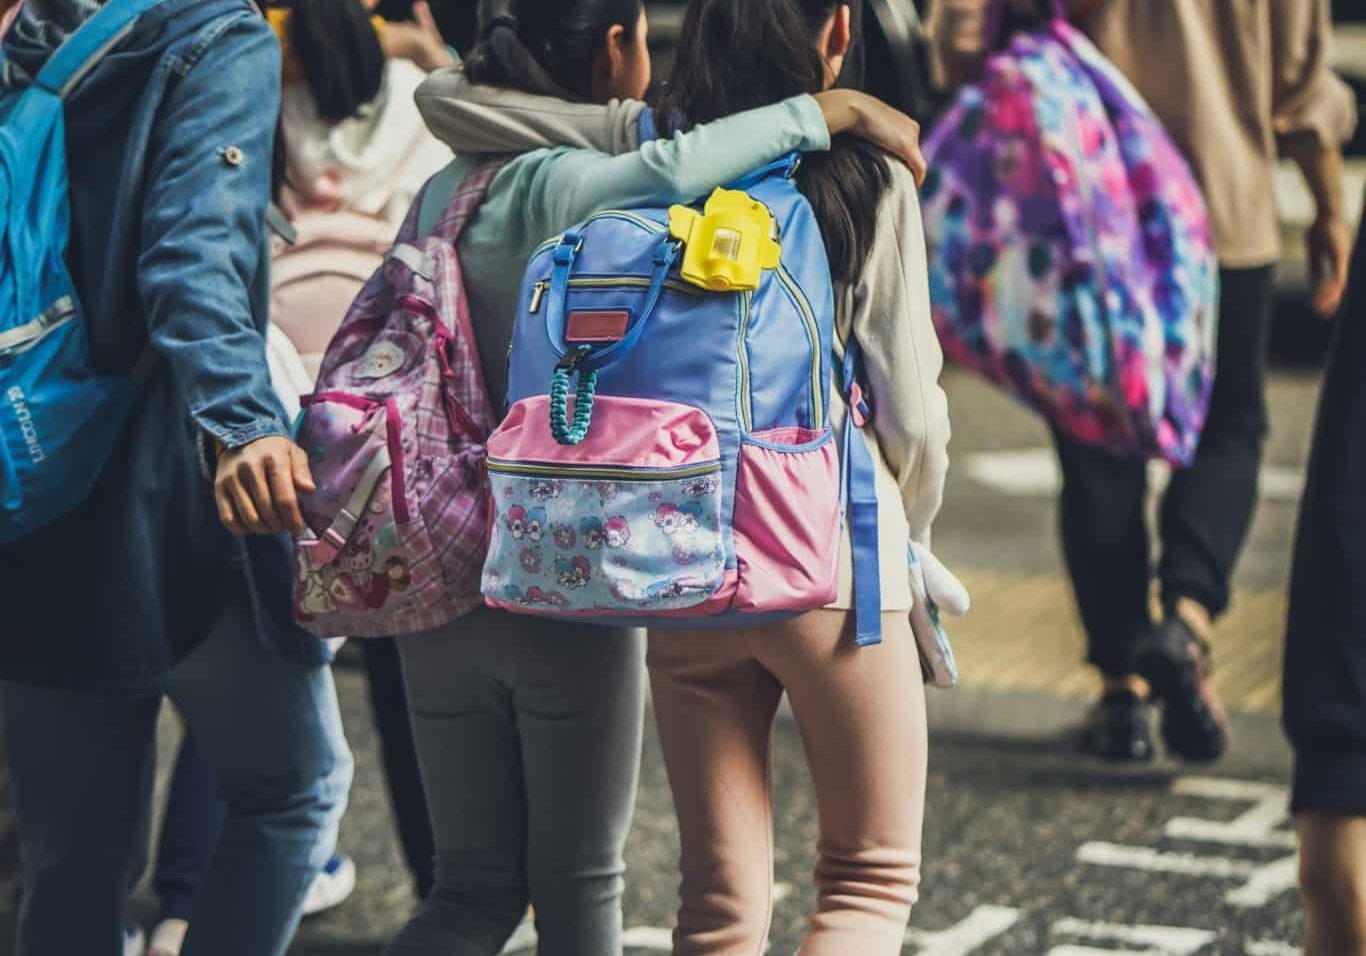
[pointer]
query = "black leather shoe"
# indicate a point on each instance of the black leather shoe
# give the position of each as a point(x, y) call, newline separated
point(1119, 727)
point(1178, 667)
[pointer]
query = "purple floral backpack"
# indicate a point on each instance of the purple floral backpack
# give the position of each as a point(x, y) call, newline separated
point(1071, 259)
point(395, 437)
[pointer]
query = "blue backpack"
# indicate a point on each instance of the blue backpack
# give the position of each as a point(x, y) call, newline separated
point(59, 417)
point(667, 455)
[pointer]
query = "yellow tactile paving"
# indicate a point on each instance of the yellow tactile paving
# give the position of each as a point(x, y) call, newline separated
point(1023, 634)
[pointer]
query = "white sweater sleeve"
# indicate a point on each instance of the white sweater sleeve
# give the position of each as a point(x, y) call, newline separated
point(902, 359)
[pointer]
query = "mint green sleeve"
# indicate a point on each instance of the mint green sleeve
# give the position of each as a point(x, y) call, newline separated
point(568, 185)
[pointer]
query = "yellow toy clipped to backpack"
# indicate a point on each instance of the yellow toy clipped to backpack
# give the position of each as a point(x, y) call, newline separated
point(728, 244)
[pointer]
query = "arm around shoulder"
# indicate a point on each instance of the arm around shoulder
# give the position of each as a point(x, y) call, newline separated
point(469, 117)
point(566, 185)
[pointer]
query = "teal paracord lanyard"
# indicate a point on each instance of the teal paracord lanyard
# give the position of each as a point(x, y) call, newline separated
point(560, 428)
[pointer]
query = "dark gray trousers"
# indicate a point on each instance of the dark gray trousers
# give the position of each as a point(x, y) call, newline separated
point(528, 733)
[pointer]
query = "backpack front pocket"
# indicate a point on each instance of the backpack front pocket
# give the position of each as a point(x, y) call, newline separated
point(787, 520)
point(639, 535)
point(353, 561)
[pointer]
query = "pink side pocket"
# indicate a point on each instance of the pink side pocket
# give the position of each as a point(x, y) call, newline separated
point(787, 521)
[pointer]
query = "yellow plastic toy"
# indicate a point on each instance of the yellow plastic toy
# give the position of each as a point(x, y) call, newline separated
point(728, 244)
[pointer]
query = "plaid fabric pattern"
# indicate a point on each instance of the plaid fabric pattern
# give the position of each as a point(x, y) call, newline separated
point(404, 371)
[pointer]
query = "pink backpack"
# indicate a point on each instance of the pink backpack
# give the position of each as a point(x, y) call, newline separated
point(1071, 258)
point(395, 436)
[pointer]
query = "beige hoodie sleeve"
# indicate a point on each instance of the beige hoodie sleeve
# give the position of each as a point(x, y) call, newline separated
point(487, 119)
point(1307, 97)
point(889, 313)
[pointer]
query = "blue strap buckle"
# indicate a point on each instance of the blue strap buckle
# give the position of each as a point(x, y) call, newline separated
point(570, 245)
point(666, 253)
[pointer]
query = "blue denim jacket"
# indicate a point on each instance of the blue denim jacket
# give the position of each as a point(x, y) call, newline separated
point(169, 146)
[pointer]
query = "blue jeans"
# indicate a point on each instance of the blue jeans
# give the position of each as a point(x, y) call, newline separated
point(189, 832)
point(82, 769)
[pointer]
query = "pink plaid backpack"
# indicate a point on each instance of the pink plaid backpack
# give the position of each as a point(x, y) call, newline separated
point(395, 436)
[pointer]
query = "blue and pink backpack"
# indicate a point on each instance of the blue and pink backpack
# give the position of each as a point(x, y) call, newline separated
point(667, 454)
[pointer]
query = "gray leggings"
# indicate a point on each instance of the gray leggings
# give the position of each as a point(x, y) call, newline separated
point(528, 733)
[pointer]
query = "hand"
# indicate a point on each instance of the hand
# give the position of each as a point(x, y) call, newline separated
point(1328, 247)
point(420, 41)
point(864, 116)
point(258, 484)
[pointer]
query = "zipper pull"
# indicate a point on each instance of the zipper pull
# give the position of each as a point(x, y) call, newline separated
point(537, 293)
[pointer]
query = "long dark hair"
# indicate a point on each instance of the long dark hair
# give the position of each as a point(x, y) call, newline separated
point(546, 46)
point(735, 56)
point(339, 53)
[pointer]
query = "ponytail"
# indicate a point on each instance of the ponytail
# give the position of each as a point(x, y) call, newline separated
point(546, 47)
point(339, 54)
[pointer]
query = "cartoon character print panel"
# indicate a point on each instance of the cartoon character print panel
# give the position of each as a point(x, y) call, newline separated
point(605, 546)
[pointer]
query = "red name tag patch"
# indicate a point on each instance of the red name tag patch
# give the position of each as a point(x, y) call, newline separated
point(601, 326)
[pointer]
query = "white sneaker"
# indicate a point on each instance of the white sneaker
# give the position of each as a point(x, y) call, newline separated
point(332, 886)
point(168, 938)
point(134, 940)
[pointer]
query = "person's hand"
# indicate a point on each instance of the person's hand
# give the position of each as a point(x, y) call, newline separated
point(867, 117)
point(419, 41)
point(257, 486)
point(1328, 247)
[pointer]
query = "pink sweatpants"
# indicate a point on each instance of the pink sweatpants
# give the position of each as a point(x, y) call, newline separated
point(861, 714)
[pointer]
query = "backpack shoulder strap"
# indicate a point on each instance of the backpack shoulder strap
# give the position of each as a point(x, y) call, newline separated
point(84, 49)
point(469, 196)
point(858, 489)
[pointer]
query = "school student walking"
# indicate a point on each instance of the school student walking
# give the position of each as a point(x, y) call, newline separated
point(1236, 83)
point(519, 705)
point(716, 692)
point(356, 152)
point(150, 586)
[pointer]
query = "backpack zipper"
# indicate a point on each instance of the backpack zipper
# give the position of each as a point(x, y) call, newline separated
point(649, 225)
point(813, 335)
point(620, 473)
point(742, 354)
point(24, 337)
point(542, 286)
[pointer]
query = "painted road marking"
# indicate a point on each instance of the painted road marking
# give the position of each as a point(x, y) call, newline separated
point(1034, 473)
point(1266, 947)
point(652, 939)
point(1261, 882)
point(523, 939)
point(1161, 861)
point(982, 925)
point(1267, 882)
point(1156, 940)
point(1261, 826)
